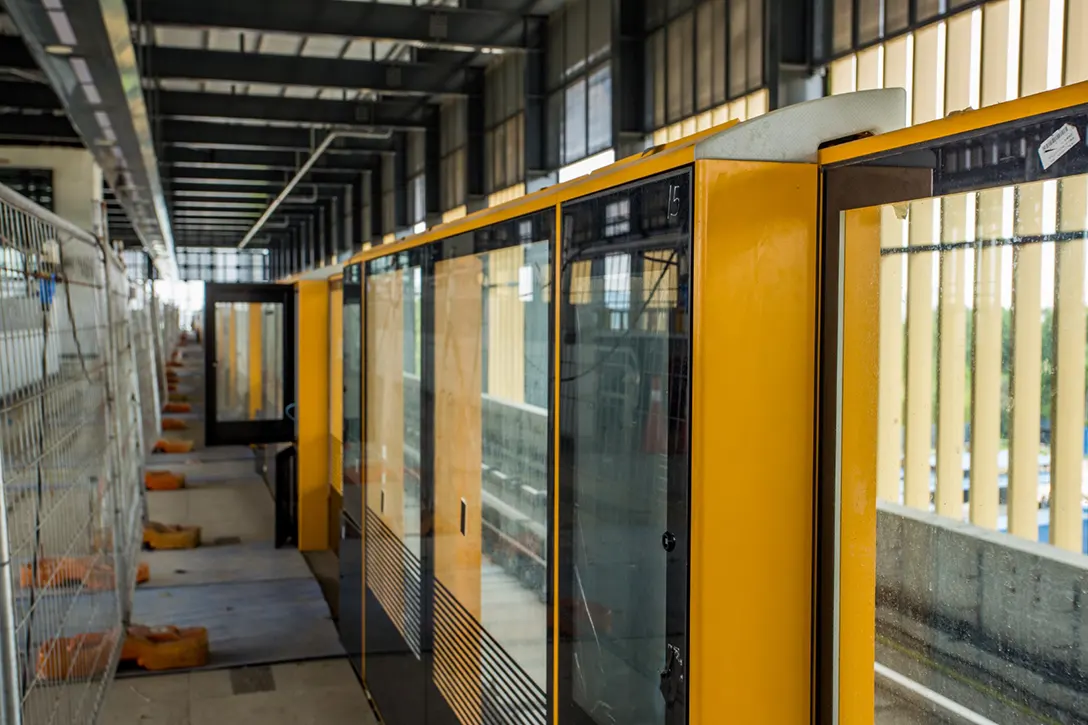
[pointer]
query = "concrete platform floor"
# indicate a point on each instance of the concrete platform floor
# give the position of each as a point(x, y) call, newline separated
point(300, 693)
point(308, 693)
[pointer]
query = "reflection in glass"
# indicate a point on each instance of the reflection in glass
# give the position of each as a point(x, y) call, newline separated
point(491, 456)
point(392, 309)
point(249, 361)
point(981, 445)
point(624, 390)
point(353, 379)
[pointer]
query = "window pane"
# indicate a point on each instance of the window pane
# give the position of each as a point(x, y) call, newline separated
point(738, 43)
point(491, 463)
point(842, 29)
point(755, 44)
point(393, 425)
point(686, 31)
point(600, 109)
point(896, 17)
point(704, 57)
point(675, 72)
point(655, 57)
point(555, 131)
point(719, 60)
point(624, 455)
point(575, 124)
point(869, 12)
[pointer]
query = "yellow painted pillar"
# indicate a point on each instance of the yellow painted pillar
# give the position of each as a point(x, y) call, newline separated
point(1067, 402)
point(959, 217)
point(1027, 367)
point(919, 394)
point(506, 326)
point(255, 358)
point(986, 407)
point(313, 417)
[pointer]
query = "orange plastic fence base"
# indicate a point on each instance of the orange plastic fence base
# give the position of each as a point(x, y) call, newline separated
point(62, 571)
point(163, 481)
point(172, 446)
point(81, 656)
point(170, 536)
point(175, 363)
point(166, 648)
point(177, 408)
point(174, 424)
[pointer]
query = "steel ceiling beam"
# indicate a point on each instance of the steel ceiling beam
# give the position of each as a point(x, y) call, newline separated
point(236, 135)
point(258, 177)
point(290, 159)
point(195, 64)
point(317, 111)
point(471, 29)
point(389, 113)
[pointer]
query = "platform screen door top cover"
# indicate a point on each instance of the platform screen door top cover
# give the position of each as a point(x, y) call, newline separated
point(249, 364)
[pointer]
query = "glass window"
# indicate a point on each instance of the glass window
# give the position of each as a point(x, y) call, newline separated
point(755, 44)
point(600, 109)
point(246, 359)
point(353, 392)
point(675, 71)
point(491, 461)
point(869, 20)
point(393, 303)
point(704, 57)
point(624, 454)
point(842, 28)
point(686, 33)
point(738, 48)
point(978, 428)
point(720, 25)
point(575, 125)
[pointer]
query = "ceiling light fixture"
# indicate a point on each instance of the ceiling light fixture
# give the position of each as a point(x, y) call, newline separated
point(58, 49)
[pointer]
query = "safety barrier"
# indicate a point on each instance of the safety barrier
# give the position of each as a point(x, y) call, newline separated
point(78, 377)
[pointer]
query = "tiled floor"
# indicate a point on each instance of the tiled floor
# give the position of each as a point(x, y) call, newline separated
point(304, 693)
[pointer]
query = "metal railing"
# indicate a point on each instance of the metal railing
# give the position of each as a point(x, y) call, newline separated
point(75, 372)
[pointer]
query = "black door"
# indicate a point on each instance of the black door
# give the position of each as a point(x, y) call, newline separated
point(250, 363)
point(624, 456)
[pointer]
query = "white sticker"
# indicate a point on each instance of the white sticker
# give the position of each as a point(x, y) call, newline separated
point(1058, 145)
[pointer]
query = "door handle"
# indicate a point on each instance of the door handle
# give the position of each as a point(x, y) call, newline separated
point(289, 411)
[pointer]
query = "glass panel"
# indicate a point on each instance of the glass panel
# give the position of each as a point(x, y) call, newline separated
point(491, 465)
point(980, 462)
point(392, 364)
point(575, 125)
point(738, 48)
point(624, 454)
point(248, 363)
point(870, 20)
point(353, 380)
point(704, 57)
point(600, 109)
point(755, 44)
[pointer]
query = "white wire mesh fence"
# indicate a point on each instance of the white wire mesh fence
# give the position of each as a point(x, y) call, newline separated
point(73, 346)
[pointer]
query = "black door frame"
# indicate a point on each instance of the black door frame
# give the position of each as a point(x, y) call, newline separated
point(252, 431)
